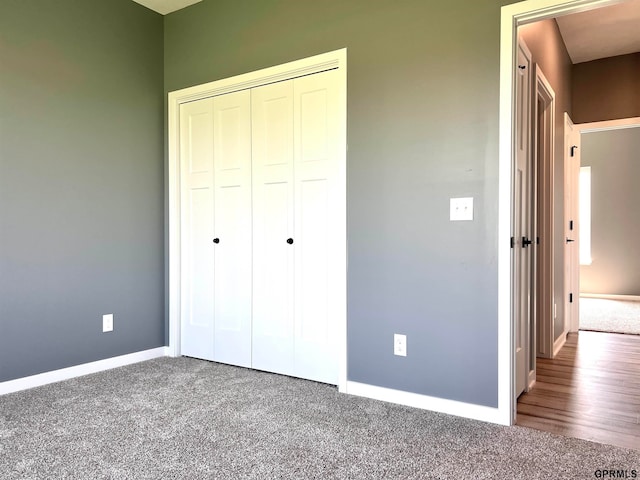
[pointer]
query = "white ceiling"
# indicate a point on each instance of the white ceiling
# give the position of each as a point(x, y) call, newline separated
point(604, 32)
point(166, 6)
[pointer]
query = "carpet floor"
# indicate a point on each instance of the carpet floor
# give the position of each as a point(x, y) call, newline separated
point(180, 418)
point(614, 316)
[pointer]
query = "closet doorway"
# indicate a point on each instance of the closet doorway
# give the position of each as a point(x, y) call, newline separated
point(257, 178)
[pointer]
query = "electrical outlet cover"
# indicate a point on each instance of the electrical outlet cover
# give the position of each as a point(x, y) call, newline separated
point(400, 345)
point(107, 323)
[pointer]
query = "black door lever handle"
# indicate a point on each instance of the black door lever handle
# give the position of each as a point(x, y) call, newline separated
point(526, 242)
point(569, 240)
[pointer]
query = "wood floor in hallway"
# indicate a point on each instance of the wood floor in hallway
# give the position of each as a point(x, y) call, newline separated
point(591, 390)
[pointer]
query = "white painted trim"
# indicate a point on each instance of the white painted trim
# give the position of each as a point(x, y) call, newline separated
point(546, 139)
point(559, 343)
point(425, 402)
point(511, 16)
point(506, 340)
point(631, 122)
point(319, 63)
point(606, 296)
point(80, 370)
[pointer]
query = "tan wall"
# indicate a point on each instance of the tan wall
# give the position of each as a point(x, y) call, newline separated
point(550, 54)
point(606, 89)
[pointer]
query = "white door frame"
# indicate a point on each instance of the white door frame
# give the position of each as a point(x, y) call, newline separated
point(571, 227)
point(545, 151)
point(328, 61)
point(511, 17)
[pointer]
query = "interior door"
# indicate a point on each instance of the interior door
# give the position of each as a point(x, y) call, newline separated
point(197, 303)
point(571, 227)
point(273, 227)
point(318, 232)
point(232, 234)
point(522, 235)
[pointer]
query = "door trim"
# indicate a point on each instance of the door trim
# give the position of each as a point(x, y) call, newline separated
point(511, 17)
point(571, 215)
point(335, 60)
point(545, 151)
point(630, 122)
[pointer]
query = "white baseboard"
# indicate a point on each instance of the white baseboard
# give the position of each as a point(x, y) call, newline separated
point(559, 343)
point(425, 402)
point(605, 296)
point(80, 370)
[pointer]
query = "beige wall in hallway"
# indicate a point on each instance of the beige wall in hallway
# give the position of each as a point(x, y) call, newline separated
point(606, 89)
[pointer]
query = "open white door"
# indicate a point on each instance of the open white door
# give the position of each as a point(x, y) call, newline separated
point(522, 221)
point(571, 226)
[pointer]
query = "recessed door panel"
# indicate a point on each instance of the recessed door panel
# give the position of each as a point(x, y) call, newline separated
point(314, 128)
point(199, 143)
point(313, 271)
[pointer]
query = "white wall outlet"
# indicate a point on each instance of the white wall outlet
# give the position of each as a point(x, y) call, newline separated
point(400, 345)
point(107, 322)
point(461, 209)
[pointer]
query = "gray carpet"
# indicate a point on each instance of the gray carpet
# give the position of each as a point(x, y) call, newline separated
point(604, 315)
point(184, 418)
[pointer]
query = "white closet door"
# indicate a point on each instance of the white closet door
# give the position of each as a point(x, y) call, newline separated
point(273, 275)
point(232, 228)
point(318, 232)
point(196, 154)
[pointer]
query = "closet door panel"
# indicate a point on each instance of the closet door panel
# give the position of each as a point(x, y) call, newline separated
point(273, 275)
point(316, 201)
point(232, 228)
point(196, 152)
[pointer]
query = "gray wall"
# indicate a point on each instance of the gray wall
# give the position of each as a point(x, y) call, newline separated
point(615, 197)
point(606, 89)
point(548, 51)
point(81, 182)
point(423, 81)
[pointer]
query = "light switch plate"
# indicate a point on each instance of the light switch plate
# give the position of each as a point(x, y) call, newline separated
point(461, 209)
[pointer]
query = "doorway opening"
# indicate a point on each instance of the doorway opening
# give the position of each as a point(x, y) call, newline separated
point(610, 290)
point(514, 16)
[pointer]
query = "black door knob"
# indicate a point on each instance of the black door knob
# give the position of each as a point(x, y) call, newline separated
point(290, 241)
point(216, 240)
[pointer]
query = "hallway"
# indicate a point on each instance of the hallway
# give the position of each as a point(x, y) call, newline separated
point(591, 390)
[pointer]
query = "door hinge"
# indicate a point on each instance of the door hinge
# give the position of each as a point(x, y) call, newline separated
point(570, 224)
point(571, 298)
point(513, 242)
